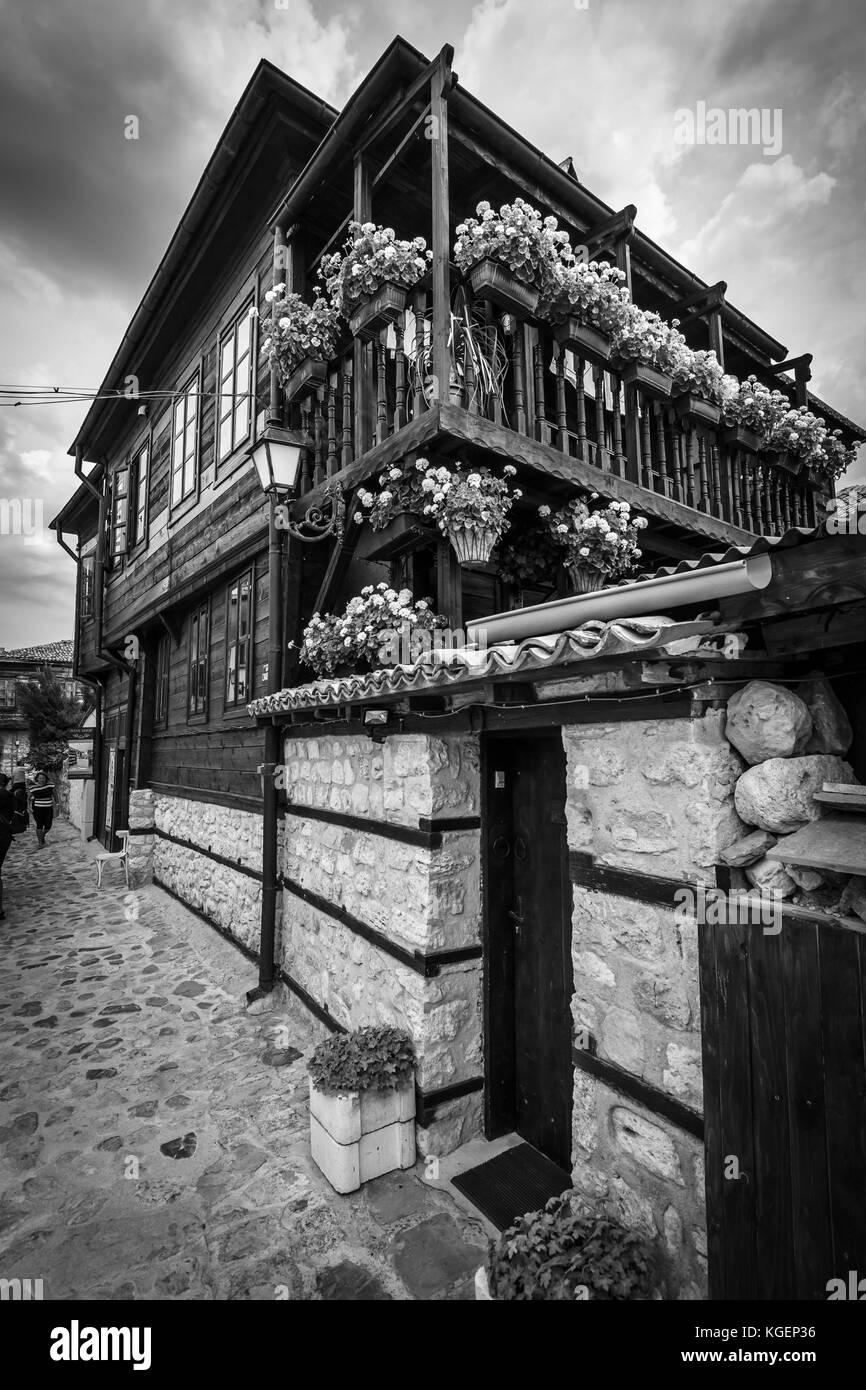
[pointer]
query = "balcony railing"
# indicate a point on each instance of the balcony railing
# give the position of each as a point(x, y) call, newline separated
point(581, 412)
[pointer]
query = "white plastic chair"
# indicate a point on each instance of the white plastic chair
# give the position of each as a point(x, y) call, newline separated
point(121, 856)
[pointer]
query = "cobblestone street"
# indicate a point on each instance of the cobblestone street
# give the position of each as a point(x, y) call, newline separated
point(154, 1135)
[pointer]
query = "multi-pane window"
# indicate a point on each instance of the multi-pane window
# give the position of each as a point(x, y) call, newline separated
point(88, 566)
point(239, 606)
point(120, 512)
point(184, 442)
point(160, 698)
point(8, 695)
point(140, 471)
point(198, 659)
point(235, 384)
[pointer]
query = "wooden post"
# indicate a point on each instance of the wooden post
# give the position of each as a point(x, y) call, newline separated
point(717, 338)
point(363, 211)
point(440, 85)
point(449, 585)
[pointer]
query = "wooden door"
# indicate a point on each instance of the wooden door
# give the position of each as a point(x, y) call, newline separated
point(528, 960)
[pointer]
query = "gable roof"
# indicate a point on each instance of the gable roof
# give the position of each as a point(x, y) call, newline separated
point(59, 653)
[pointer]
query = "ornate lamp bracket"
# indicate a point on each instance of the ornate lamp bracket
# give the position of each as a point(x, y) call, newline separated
point(323, 519)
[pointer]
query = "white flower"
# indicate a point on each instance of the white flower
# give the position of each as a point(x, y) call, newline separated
point(544, 511)
point(584, 550)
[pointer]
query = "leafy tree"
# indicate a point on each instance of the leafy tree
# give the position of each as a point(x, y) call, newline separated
point(52, 718)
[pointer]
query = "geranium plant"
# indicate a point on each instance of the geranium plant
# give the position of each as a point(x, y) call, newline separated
point(518, 237)
point(643, 336)
point(399, 490)
point(372, 256)
point(754, 406)
point(298, 330)
point(567, 1252)
point(604, 539)
point(784, 428)
point(593, 292)
point(459, 498)
point(377, 1058)
point(364, 633)
point(701, 374)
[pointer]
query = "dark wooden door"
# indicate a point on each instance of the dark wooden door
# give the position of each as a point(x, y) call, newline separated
point(528, 967)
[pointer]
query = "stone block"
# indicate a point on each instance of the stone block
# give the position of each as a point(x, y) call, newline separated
point(646, 1143)
point(767, 721)
point(770, 877)
point(748, 850)
point(778, 794)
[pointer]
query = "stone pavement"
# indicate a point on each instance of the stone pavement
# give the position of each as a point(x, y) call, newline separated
point(154, 1134)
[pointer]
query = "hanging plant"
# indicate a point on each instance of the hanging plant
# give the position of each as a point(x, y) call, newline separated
point(373, 262)
point(470, 506)
point(364, 635)
point(596, 546)
point(299, 332)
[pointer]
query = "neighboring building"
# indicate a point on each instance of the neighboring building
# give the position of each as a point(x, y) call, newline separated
point(411, 852)
point(24, 664)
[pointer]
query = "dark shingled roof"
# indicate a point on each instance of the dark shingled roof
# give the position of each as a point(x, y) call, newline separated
point(60, 652)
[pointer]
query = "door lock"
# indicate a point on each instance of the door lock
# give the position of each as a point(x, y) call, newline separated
point(517, 917)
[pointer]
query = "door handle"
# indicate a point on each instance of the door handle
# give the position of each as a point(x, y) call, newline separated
point(517, 917)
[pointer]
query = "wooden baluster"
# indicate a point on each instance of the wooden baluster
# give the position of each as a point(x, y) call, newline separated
point(540, 423)
point(470, 393)
point(517, 361)
point(600, 436)
point(775, 505)
point(746, 484)
point(618, 458)
point(729, 496)
point(319, 439)
point(811, 513)
point(755, 498)
point(785, 502)
point(664, 480)
point(307, 459)
point(646, 448)
point(347, 453)
point(715, 474)
point(400, 378)
point(420, 307)
point(704, 472)
point(561, 421)
point(689, 443)
point(381, 394)
point(677, 466)
point(733, 456)
point(581, 410)
point(332, 428)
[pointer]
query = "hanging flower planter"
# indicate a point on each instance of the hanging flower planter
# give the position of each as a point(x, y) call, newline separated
point(473, 547)
point(742, 438)
point(373, 314)
point(585, 579)
point(782, 458)
point(696, 409)
point(589, 343)
point(652, 382)
point(310, 374)
point(492, 280)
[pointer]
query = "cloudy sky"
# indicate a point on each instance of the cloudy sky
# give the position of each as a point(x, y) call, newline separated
point(85, 214)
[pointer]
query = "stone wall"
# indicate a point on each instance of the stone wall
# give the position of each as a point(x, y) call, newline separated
point(419, 898)
point(653, 796)
point(81, 791)
point(226, 896)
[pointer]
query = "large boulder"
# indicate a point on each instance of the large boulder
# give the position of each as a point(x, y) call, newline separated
point(748, 850)
point(831, 729)
point(767, 721)
point(778, 794)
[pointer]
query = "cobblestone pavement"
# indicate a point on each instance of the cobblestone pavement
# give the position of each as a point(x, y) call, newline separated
point(154, 1134)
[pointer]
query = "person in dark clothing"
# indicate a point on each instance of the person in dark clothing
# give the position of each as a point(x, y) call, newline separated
point(7, 810)
point(42, 806)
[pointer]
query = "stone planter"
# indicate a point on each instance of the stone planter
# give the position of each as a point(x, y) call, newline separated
point(652, 382)
point(590, 344)
point(696, 410)
point(310, 374)
point(404, 533)
point(585, 579)
point(492, 280)
point(473, 547)
point(359, 1136)
point(386, 306)
point(742, 438)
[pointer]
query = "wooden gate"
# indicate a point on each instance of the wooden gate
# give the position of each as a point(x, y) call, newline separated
point(785, 1107)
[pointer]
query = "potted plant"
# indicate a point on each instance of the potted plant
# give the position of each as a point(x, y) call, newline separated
point(699, 386)
point(747, 411)
point(569, 1252)
point(509, 255)
point(645, 350)
point(586, 302)
point(302, 339)
point(597, 546)
point(470, 506)
point(362, 1105)
point(367, 281)
point(362, 637)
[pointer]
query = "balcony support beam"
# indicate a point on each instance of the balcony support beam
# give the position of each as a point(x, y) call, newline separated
point(440, 86)
point(802, 368)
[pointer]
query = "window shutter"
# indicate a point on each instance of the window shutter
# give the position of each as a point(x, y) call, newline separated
point(120, 512)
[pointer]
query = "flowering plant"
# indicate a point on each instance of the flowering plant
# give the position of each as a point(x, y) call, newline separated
point(528, 558)
point(299, 330)
point(701, 374)
point(371, 257)
point(792, 429)
point(604, 539)
point(516, 235)
point(837, 457)
point(592, 291)
point(462, 499)
point(399, 491)
point(360, 634)
point(754, 406)
point(642, 336)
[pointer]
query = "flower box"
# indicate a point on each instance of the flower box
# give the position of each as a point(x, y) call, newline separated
point(386, 306)
point(311, 373)
point(589, 343)
point(492, 280)
point(653, 383)
point(742, 438)
point(361, 1135)
point(404, 533)
point(586, 579)
point(473, 547)
point(697, 410)
point(782, 458)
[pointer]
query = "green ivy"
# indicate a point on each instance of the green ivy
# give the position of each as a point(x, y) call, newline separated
point(553, 1253)
point(378, 1058)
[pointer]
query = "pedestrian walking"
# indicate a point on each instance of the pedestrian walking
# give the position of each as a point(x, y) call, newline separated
point(7, 812)
point(42, 802)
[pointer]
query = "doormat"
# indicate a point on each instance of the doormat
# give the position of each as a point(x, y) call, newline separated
point(513, 1183)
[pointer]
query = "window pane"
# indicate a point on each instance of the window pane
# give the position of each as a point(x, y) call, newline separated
point(226, 437)
point(242, 379)
point(178, 417)
point(244, 327)
point(242, 419)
